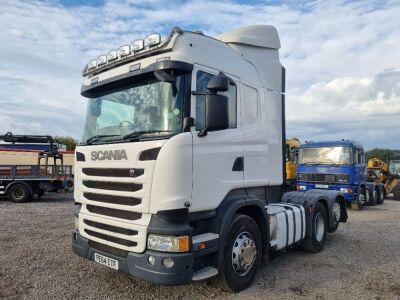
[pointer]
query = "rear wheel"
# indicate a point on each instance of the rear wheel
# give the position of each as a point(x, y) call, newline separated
point(316, 241)
point(242, 255)
point(337, 211)
point(373, 200)
point(18, 193)
point(381, 197)
point(396, 193)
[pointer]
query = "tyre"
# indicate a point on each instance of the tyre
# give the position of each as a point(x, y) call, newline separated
point(18, 193)
point(381, 196)
point(337, 211)
point(396, 193)
point(373, 199)
point(316, 241)
point(362, 197)
point(242, 255)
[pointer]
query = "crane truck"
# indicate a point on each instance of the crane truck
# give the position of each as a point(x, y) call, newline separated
point(20, 182)
point(180, 173)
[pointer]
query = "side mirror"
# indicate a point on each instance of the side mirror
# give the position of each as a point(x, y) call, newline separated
point(217, 116)
point(218, 83)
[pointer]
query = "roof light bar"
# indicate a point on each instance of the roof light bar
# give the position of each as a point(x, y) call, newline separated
point(92, 64)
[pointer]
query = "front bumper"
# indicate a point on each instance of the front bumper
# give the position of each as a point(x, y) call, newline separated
point(349, 197)
point(137, 265)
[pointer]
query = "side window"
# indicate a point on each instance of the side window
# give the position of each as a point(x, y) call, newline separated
point(361, 157)
point(202, 79)
point(356, 157)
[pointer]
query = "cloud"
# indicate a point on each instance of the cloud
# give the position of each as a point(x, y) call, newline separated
point(365, 109)
point(329, 48)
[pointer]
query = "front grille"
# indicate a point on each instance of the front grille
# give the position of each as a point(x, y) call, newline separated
point(108, 249)
point(324, 178)
point(113, 172)
point(109, 238)
point(110, 228)
point(113, 186)
point(122, 200)
point(116, 213)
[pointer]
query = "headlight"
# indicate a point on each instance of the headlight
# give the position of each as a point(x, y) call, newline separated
point(137, 45)
point(101, 60)
point(168, 243)
point(152, 40)
point(301, 187)
point(76, 223)
point(124, 50)
point(346, 190)
point(92, 64)
point(112, 55)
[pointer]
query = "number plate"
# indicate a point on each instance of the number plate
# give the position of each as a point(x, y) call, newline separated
point(322, 186)
point(104, 260)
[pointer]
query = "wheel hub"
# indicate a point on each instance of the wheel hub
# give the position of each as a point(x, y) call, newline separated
point(319, 226)
point(244, 253)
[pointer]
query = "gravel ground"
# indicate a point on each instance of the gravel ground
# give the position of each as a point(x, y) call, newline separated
point(361, 260)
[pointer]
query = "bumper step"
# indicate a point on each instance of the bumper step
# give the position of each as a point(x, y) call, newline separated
point(204, 273)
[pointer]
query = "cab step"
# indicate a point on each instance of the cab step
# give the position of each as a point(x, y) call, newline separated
point(204, 273)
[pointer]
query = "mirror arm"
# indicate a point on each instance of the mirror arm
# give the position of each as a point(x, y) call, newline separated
point(202, 133)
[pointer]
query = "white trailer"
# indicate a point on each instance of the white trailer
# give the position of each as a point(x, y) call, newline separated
point(179, 175)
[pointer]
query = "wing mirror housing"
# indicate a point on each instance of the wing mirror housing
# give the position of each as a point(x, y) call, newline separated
point(217, 117)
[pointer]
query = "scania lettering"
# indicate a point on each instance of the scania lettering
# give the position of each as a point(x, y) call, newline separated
point(109, 155)
point(199, 193)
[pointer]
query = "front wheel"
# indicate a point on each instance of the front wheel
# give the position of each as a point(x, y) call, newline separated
point(316, 241)
point(337, 212)
point(373, 200)
point(242, 255)
point(361, 199)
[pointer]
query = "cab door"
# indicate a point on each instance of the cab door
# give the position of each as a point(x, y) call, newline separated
point(218, 156)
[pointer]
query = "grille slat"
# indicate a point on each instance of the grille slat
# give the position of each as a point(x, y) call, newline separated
point(116, 213)
point(111, 238)
point(108, 249)
point(324, 178)
point(113, 186)
point(122, 200)
point(110, 228)
point(112, 172)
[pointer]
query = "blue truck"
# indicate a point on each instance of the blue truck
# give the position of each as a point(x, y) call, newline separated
point(340, 166)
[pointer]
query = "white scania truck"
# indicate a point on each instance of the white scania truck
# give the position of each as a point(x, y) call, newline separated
point(179, 175)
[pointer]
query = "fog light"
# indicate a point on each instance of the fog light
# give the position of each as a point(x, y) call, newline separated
point(151, 260)
point(168, 262)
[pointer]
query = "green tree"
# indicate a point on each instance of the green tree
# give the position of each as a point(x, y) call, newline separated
point(384, 154)
point(70, 142)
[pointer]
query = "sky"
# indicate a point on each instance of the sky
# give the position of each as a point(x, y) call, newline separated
point(342, 59)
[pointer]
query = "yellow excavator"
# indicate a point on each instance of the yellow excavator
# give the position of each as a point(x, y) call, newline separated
point(388, 174)
point(292, 149)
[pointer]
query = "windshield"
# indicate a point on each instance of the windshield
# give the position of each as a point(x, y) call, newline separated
point(325, 155)
point(149, 107)
point(394, 167)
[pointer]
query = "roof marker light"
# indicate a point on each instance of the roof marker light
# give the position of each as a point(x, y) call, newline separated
point(101, 60)
point(152, 40)
point(124, 50)
point(112, 55)
point(137, 45)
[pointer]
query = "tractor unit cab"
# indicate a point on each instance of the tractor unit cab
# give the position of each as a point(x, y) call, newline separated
point(337, 165)
point(183, 159)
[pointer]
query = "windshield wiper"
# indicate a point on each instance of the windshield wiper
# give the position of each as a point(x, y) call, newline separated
point(136, 134)
point(313, 163)
point(99, 136)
